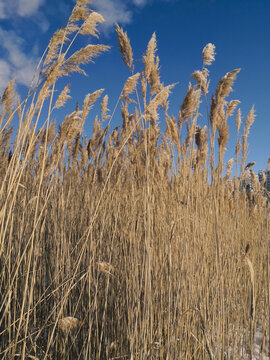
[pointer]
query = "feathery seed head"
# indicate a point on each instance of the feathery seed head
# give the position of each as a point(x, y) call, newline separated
point(104, 108)
point(208, 54)
point(201, 80)
point(130, 84)
point(88, 102)
point(86, 54)
point(90, 24)
point(159, 100)
point(105, 267)
point(80, 11)
point(250, 119)
point(143, 85)
point(69, 323)
point(8, 97)
point(63, 97)
point(224, 87)
point(150, 55)
point(154, 78)
point(223, 136)
point(229, 169)
point(238, 120)
point(59, 38)
point(238, 148)
point(125, 47)
point(201, 137)
point(231, 107)
point(191, 102)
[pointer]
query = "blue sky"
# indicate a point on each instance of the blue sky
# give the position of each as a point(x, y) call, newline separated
point(240, 30)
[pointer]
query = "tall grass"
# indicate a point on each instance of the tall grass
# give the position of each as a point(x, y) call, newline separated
point(133, 244)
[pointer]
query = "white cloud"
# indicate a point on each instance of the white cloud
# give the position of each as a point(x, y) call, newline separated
point(117, 11)
point(28, 7)
point(41, 20)
point(16, 63)
point(113, 11)
point(24, 74)
point(5, 75)
point(23, 8)
point(6, 9)
point(140, 2)
point(2, 11)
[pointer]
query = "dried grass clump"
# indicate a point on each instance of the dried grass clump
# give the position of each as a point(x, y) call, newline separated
point(69, 324)
point(137, 228)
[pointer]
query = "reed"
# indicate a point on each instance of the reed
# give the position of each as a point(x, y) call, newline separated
point(130, 243)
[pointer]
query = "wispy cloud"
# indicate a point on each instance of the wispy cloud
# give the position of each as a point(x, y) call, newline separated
point(22, 8)
point(118, 11)
point(2, 9)
point(113, 11)
point(140, 2)
point(28, 7)
point(5, 74)
point(41, 20)
point(16, 63)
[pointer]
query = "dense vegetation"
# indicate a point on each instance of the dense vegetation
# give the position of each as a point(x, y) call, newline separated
point(135, 243)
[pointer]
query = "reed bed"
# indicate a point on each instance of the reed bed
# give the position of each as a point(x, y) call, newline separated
point(135, 243)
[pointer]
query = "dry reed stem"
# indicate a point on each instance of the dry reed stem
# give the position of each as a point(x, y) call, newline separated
point(252, 279)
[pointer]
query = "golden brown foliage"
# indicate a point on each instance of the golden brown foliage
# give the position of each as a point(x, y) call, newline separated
point(131, 243)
